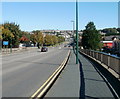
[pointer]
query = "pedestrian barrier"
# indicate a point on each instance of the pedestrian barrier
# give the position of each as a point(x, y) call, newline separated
point(108, 60)
point(9, 50)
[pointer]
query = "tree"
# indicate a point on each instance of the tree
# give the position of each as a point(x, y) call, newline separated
point(33, 38)
point(14, 29)
point(48, 40)
point(109, 30)
point(24, 39)
point(1, 27)
point(7, 35)
point(39, 38)
point(55, 39)
point(61, 39)
point(91, 38)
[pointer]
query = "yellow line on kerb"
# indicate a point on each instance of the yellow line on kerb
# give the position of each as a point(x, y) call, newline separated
point(51, 77)
point(44, 84)
point(46, 87)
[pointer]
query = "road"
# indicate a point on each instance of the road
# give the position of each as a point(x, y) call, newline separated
point(23, 73)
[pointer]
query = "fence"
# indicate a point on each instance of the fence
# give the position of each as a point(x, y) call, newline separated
point(8, 50)
point(108, 60)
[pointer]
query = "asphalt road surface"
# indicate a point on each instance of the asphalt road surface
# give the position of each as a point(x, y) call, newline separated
point(23, 73)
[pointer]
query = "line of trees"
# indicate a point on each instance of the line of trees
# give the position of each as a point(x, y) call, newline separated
point(45, 39)
point(11, 32)
point(111, 31)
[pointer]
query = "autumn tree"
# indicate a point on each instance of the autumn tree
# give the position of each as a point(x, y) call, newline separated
point(55, 39)
point(1, 27)
point(33, 38)
point(7, 35)
point(61, 39)
point(39, 38)
point(48, 40)
point(12, 29)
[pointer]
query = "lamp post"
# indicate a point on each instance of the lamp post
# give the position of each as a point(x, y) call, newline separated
point(73, 26)
point(76, 31)
point(73, 33)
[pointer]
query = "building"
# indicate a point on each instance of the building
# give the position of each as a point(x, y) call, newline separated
point(108, 44)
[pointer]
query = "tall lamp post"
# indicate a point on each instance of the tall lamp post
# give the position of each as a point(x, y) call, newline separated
point(73, 26)
point(73, 32)
point(76, 31)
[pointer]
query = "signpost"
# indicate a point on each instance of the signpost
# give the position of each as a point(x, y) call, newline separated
point(5, 43)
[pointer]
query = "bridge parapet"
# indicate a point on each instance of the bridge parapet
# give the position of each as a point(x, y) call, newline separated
point(109, 62)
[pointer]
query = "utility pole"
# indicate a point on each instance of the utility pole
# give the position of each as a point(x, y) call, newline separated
point(76, 31)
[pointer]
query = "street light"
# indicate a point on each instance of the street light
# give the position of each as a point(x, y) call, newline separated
point(76, 31)
point(73, 26)
point(73, 33)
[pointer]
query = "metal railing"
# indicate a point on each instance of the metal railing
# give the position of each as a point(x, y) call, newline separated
point(108, 60)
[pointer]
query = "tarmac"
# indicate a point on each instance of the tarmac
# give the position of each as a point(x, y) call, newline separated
point(81, 81)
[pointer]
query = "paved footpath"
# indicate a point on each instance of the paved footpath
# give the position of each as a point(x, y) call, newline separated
point(80, 80)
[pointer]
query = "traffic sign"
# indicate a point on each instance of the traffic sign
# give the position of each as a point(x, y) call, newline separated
point(5, 42)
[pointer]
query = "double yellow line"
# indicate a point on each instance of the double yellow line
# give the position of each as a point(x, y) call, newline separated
point(44, 88)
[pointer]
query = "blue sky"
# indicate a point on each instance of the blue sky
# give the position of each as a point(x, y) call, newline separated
point(58, 15)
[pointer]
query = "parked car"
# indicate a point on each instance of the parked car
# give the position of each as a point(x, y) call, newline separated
point(44, 49)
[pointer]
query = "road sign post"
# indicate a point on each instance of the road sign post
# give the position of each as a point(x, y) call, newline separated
point(5, 43)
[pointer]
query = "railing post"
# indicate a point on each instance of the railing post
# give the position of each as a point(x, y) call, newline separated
point(108, 61)
point(101, 58)
point(119, 68)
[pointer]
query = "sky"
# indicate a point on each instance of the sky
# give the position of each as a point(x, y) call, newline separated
point(60, 0)
point(58, 15)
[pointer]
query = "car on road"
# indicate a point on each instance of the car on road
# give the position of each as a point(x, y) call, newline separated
point(44, 49)
point(69, 46)
point(65, 45)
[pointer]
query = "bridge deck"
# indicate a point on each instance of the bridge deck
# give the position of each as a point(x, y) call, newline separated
point(82, 80)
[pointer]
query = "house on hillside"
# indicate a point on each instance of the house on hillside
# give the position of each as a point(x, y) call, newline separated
point(107, 44)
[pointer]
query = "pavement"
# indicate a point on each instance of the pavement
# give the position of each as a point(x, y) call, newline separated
point(67, 84)
point(82, 81)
